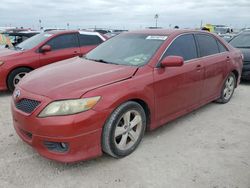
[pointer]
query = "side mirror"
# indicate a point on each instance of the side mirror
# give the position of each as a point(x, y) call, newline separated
point(172, 61)
point(45, 48)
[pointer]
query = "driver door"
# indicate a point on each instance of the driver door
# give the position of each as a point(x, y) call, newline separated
point(64, 46)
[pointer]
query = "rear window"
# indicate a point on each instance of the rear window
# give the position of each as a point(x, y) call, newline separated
point(207, 45)
point(87, 40)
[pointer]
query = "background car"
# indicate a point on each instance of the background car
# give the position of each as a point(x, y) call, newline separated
point(43, 49)
point(18, 37)
point(242, 42)
point(76, 109)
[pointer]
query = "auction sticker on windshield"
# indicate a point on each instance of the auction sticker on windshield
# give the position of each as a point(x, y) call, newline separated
point(156, 37)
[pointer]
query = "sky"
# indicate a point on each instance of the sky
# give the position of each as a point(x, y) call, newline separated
point(123, 14)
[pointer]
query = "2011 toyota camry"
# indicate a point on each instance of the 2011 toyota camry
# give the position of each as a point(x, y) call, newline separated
point(79, 108)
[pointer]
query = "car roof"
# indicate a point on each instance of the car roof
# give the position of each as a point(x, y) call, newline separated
point(76, 31)
point(166, 31)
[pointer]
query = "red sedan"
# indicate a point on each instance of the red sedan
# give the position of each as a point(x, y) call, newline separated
point(79, 108)
point(43, 49)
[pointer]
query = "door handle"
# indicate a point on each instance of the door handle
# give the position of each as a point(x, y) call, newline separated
point(198, 67)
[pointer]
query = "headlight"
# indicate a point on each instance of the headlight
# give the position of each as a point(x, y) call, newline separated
point(1, 63)
point(69, 107)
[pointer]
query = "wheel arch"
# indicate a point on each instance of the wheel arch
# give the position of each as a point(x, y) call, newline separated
point(14, 68)
point(146, 108)
point(236, 74)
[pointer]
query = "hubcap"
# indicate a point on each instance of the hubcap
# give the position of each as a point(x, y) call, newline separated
point(128, 130)
point(229, 88)
point(18, 77)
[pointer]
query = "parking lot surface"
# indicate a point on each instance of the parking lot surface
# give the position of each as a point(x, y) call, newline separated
point(206, 148)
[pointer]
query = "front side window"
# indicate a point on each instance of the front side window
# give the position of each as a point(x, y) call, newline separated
point(222, 48)
point(127, 49)
point(207, 45)
point(63, 41)
point(33, 41)
point(183, 46)
point(87, 40)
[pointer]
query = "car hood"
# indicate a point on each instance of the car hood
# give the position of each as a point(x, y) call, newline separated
point(4, 52)
point(73, 77)
point(246, 53)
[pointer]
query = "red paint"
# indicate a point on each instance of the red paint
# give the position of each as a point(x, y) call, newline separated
point(169, 92)
point(34, 59)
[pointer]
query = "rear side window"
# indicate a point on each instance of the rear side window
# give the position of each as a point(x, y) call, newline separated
point(183, 46)
point(222, 48)
point(87, 40)
point(207, 45)
point(63, 41)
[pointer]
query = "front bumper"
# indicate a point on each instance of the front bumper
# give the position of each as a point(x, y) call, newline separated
point(3, 76)
point(81, 132)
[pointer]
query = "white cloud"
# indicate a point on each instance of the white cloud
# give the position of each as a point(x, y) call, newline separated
point(123, 13)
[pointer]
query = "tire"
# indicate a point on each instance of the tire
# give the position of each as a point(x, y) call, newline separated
point(227, 89)
point(15, 76)
point(124, 129)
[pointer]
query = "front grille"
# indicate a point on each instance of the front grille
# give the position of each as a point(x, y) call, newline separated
point(27, 105)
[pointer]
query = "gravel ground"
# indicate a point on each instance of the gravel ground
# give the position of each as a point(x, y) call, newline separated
point(207, 148)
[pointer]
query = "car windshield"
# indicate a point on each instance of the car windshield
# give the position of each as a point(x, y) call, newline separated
point(222, 30)
point(33, 41)
point(127, 49)
point(241, 41)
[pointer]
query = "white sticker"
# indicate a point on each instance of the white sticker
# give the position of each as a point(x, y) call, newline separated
point(156, 37)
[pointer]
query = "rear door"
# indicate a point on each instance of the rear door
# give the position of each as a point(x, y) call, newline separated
point(63, 47)
point(215, 58)
point(178, 88)
point(88, 42)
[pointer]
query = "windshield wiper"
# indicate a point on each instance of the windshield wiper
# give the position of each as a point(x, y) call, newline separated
point(242, 46)
point(101, 61)
point(18, 48)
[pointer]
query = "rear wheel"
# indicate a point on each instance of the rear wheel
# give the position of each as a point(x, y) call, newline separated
point(124, 130)
point(15, 77)
point(228, 89)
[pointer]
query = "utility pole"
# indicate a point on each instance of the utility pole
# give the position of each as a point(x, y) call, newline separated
point(156, 19)
point(40, 24)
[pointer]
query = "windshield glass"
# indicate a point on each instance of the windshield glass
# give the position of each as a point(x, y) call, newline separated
point(127, 49)
point(241, 41)
point(33, 41)
point(222, 30)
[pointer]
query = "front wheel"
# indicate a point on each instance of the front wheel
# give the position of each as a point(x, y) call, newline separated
point(124, 130)
point(15, 77)
point(228, 89)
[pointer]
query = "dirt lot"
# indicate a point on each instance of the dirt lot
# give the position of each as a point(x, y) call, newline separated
point(207, 148)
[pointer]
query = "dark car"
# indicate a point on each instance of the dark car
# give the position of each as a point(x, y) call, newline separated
point(242, 42)
point(17, 38)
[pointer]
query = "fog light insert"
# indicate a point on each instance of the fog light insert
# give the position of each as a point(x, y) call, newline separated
point(56, 146)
